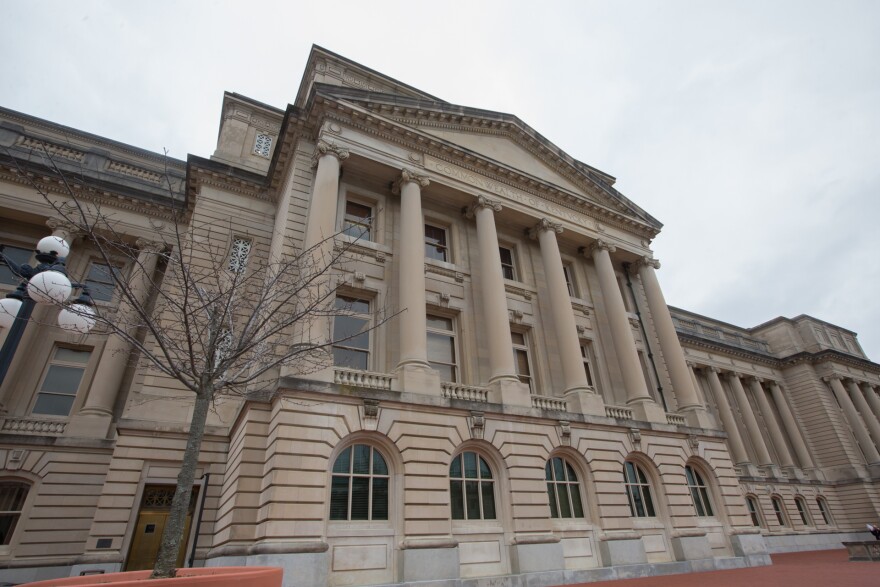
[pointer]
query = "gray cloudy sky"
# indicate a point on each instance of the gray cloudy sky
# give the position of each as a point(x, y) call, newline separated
point(751, 129)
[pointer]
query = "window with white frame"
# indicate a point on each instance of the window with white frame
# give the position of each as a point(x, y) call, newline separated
point(12, 497)
point(754, 511)
point(358, 220)
point(436, 243)
point(563, 489)
point(351, 333)
point(508, 263)
point(802, 511)
point(100, 281)
point(521, 359)
point(587, 358)
point(779, 510)
point(471, 488)
point(823, 509)
point(239, 253)
point(263, 144)
point(568, 272)
point(19, 256)
point(441, 347)
point(61, 382)
point(359, 485)
point(638, 491)
point(699, 492)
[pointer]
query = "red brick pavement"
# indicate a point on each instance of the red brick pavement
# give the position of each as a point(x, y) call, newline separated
point(822, 568)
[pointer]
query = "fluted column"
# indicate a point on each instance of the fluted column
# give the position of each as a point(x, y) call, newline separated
point(865, 410)
point(873, 400)
point(682, 384)
point(791, 428)
point(412, 321)
point(94, 417)
point(772, 425)
point(749, 419)
point(496, 319)
point(564, 324)
point(621, 332)
point(737, 448)
point(852, 417)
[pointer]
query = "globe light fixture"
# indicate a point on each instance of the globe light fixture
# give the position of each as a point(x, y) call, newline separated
point(54, 244)
point(78, 318)
point(49, 287)
point(9, 308)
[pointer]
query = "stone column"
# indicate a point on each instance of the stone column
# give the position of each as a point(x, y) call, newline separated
point(621, 335)
point(413, 372)
point(737, 448)
point(577, 390)
point(751, 422)
point(320, 228)
point(791, 428)
point(96, 414)
point(873, 400)
point(772, 425)
point(682, 385)
point(505, 386)
point(852, 417)
point(865, 410)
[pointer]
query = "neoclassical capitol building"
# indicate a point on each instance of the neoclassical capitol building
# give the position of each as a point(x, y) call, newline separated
point(535, 411)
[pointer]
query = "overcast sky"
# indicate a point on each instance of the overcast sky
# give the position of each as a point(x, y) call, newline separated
point(750, 129)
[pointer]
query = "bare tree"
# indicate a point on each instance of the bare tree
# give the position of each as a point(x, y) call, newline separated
point(217, 324)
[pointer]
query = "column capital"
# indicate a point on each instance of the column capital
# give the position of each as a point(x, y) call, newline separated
point(691, 364)
point(647, 262)
point(408, 176)
point(147, 246)
point(832, 377)
point(544, 224)
point(716, 370)
point(481, 203)
point(755, 378)
point(325, 148)
point(62, 225)
point(598, 245)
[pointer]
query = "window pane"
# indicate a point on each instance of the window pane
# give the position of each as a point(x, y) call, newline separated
point(707, 505)
point(455, 468)
point(522, 363)
point(53, 405)
point(380, 499)
point(100, 281)
point(62, 379)
point(518, 338)
point(470, 465)
point(352, 305)
point(7, 527)
point(447, 372)
point(17, 255)
point(637, 501)
point(12, 496)
point(629, 472)
point(564, 505)
point(558, 469)
point(361, 461)
point(379, 466)
point(352, 332)
point(485, 471)
point(649, 503)
point(360, 498)
point(440, 323)
point(343, 462)
point(570, 472)
point(698, 505)
point(72, 355)
point(548, 475)
point(339, 498)
point(472, 499)
point(456, 500)
point(554, 513)
point(441, 348)
point(576, 501)
point(488, 501)
point(688, 472)
point(351, 359)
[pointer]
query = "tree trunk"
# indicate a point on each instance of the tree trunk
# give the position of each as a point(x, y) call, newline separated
point(166, 561)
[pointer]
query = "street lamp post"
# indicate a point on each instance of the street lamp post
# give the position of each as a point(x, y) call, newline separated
point(48, 284)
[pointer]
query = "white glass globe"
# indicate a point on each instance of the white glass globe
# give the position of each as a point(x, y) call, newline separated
point(8, 311)
point(49, 287)
point(78, 318)
point(56, 244)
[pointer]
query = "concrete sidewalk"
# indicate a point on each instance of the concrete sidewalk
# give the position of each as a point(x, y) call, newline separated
point(821, 568)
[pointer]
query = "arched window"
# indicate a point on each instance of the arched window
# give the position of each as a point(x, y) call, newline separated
point(823, 509)
point(699, 493)
point(563, 489)
point(754, 511)
point(802, 511)
point(359, 489)
point(12, 496)
point(471, 488)
point(779, 509)
point(638, 491)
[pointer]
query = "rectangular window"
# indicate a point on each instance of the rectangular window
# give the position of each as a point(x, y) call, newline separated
point(435, 243)
point(586, 355)
point(12, 497)
point(17, 255)
point(61, 382)
point(508, 266)
point(569, 280)
point(521, 358)
point(239, 253)
point(441, 347)
point(100, 281)
point(351, 333)
point(358, 221)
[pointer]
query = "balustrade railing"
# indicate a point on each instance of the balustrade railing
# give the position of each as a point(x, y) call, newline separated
point(34, 426)
point(675, 419)
point(362, 378)
point(544, 402)
point(471, 393)
point(619, 412)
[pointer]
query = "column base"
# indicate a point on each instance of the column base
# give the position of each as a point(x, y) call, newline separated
point(585, 402)
point(772, 470)
point(510, 392)
point(699, 417)
point(647, 410)
point(416, 378)
point(92, 424)
point(748, 470)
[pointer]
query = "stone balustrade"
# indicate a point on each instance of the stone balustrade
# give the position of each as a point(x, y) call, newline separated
point(544, 402)
point(40, 426)
point(676, 419)
point(452, 390)
point(357, 378)
point(619, 412)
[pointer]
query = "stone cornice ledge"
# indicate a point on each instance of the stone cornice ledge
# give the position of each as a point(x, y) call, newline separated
point(428, 543)
point(744, 531)
point(536, 539)
point(689, 533)
point(625, 535)
point(268, 548)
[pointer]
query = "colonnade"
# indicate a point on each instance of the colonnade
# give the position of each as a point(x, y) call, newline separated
point(494, 318)
point(861, 410)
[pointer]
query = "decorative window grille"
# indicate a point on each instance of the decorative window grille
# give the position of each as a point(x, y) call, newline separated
point(563, 489)
point(238, 254)
point(262, 145)
point(359, 489)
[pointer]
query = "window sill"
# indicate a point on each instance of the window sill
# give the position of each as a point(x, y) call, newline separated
point(367, 244)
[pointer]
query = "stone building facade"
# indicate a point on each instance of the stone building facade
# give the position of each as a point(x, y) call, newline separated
point(537, 411)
